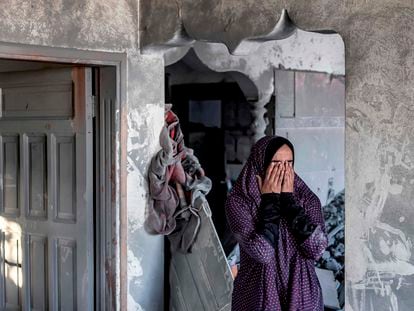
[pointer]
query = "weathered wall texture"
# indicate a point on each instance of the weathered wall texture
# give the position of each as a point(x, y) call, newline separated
point(379, 40)
point(86, 24)
point(110, 25)
point(305, 51)
point(145, 119)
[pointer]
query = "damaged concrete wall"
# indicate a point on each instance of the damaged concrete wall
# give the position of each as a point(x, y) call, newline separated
point(112, 26)
point(145, 118)
point(323, 54)
point(109, 25)
point(378, 36)
point(310, 111)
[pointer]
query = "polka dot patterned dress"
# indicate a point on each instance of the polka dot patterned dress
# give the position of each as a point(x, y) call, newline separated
point(280, 277)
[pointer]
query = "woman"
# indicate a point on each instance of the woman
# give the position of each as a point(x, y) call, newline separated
point(278, 223)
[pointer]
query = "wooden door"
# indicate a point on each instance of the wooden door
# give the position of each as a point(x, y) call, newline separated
point(46, 205)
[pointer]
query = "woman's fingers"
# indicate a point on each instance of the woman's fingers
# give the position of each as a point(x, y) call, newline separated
point(286, 177)
point(275, 173)
point(270, 170)
point(276, 179)
point(281, 175)
point(290, 173)
point(278, 176)
point(289, 181)
point(289, 170)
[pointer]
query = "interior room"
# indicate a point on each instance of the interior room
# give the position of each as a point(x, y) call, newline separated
point(219, 107)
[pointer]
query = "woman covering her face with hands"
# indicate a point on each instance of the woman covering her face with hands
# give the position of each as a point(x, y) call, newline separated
point(278, 223)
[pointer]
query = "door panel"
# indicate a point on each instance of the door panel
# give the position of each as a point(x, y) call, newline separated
point(46, 224)
point(9, 157)
point(202, 279)
point(12, 257)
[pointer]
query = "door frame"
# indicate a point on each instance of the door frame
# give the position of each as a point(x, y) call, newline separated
point(114, 231)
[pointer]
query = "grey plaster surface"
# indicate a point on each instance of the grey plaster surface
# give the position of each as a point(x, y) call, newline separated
point(379, 40)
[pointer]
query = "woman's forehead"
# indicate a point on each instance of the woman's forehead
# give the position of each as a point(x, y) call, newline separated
point(283, 151)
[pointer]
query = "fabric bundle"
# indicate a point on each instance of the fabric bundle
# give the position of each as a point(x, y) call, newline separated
point(177, 186)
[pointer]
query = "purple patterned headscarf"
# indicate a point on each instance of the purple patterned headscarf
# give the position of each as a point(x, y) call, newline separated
point(246, 185)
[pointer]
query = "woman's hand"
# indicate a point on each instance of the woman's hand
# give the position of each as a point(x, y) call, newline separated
point(287, 184)
point(273, 179)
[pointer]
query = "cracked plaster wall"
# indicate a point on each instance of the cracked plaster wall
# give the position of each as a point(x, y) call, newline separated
point(379, 40)
point(145, 118)
point(379, 182)
point(111, 26)
point(108, 25)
